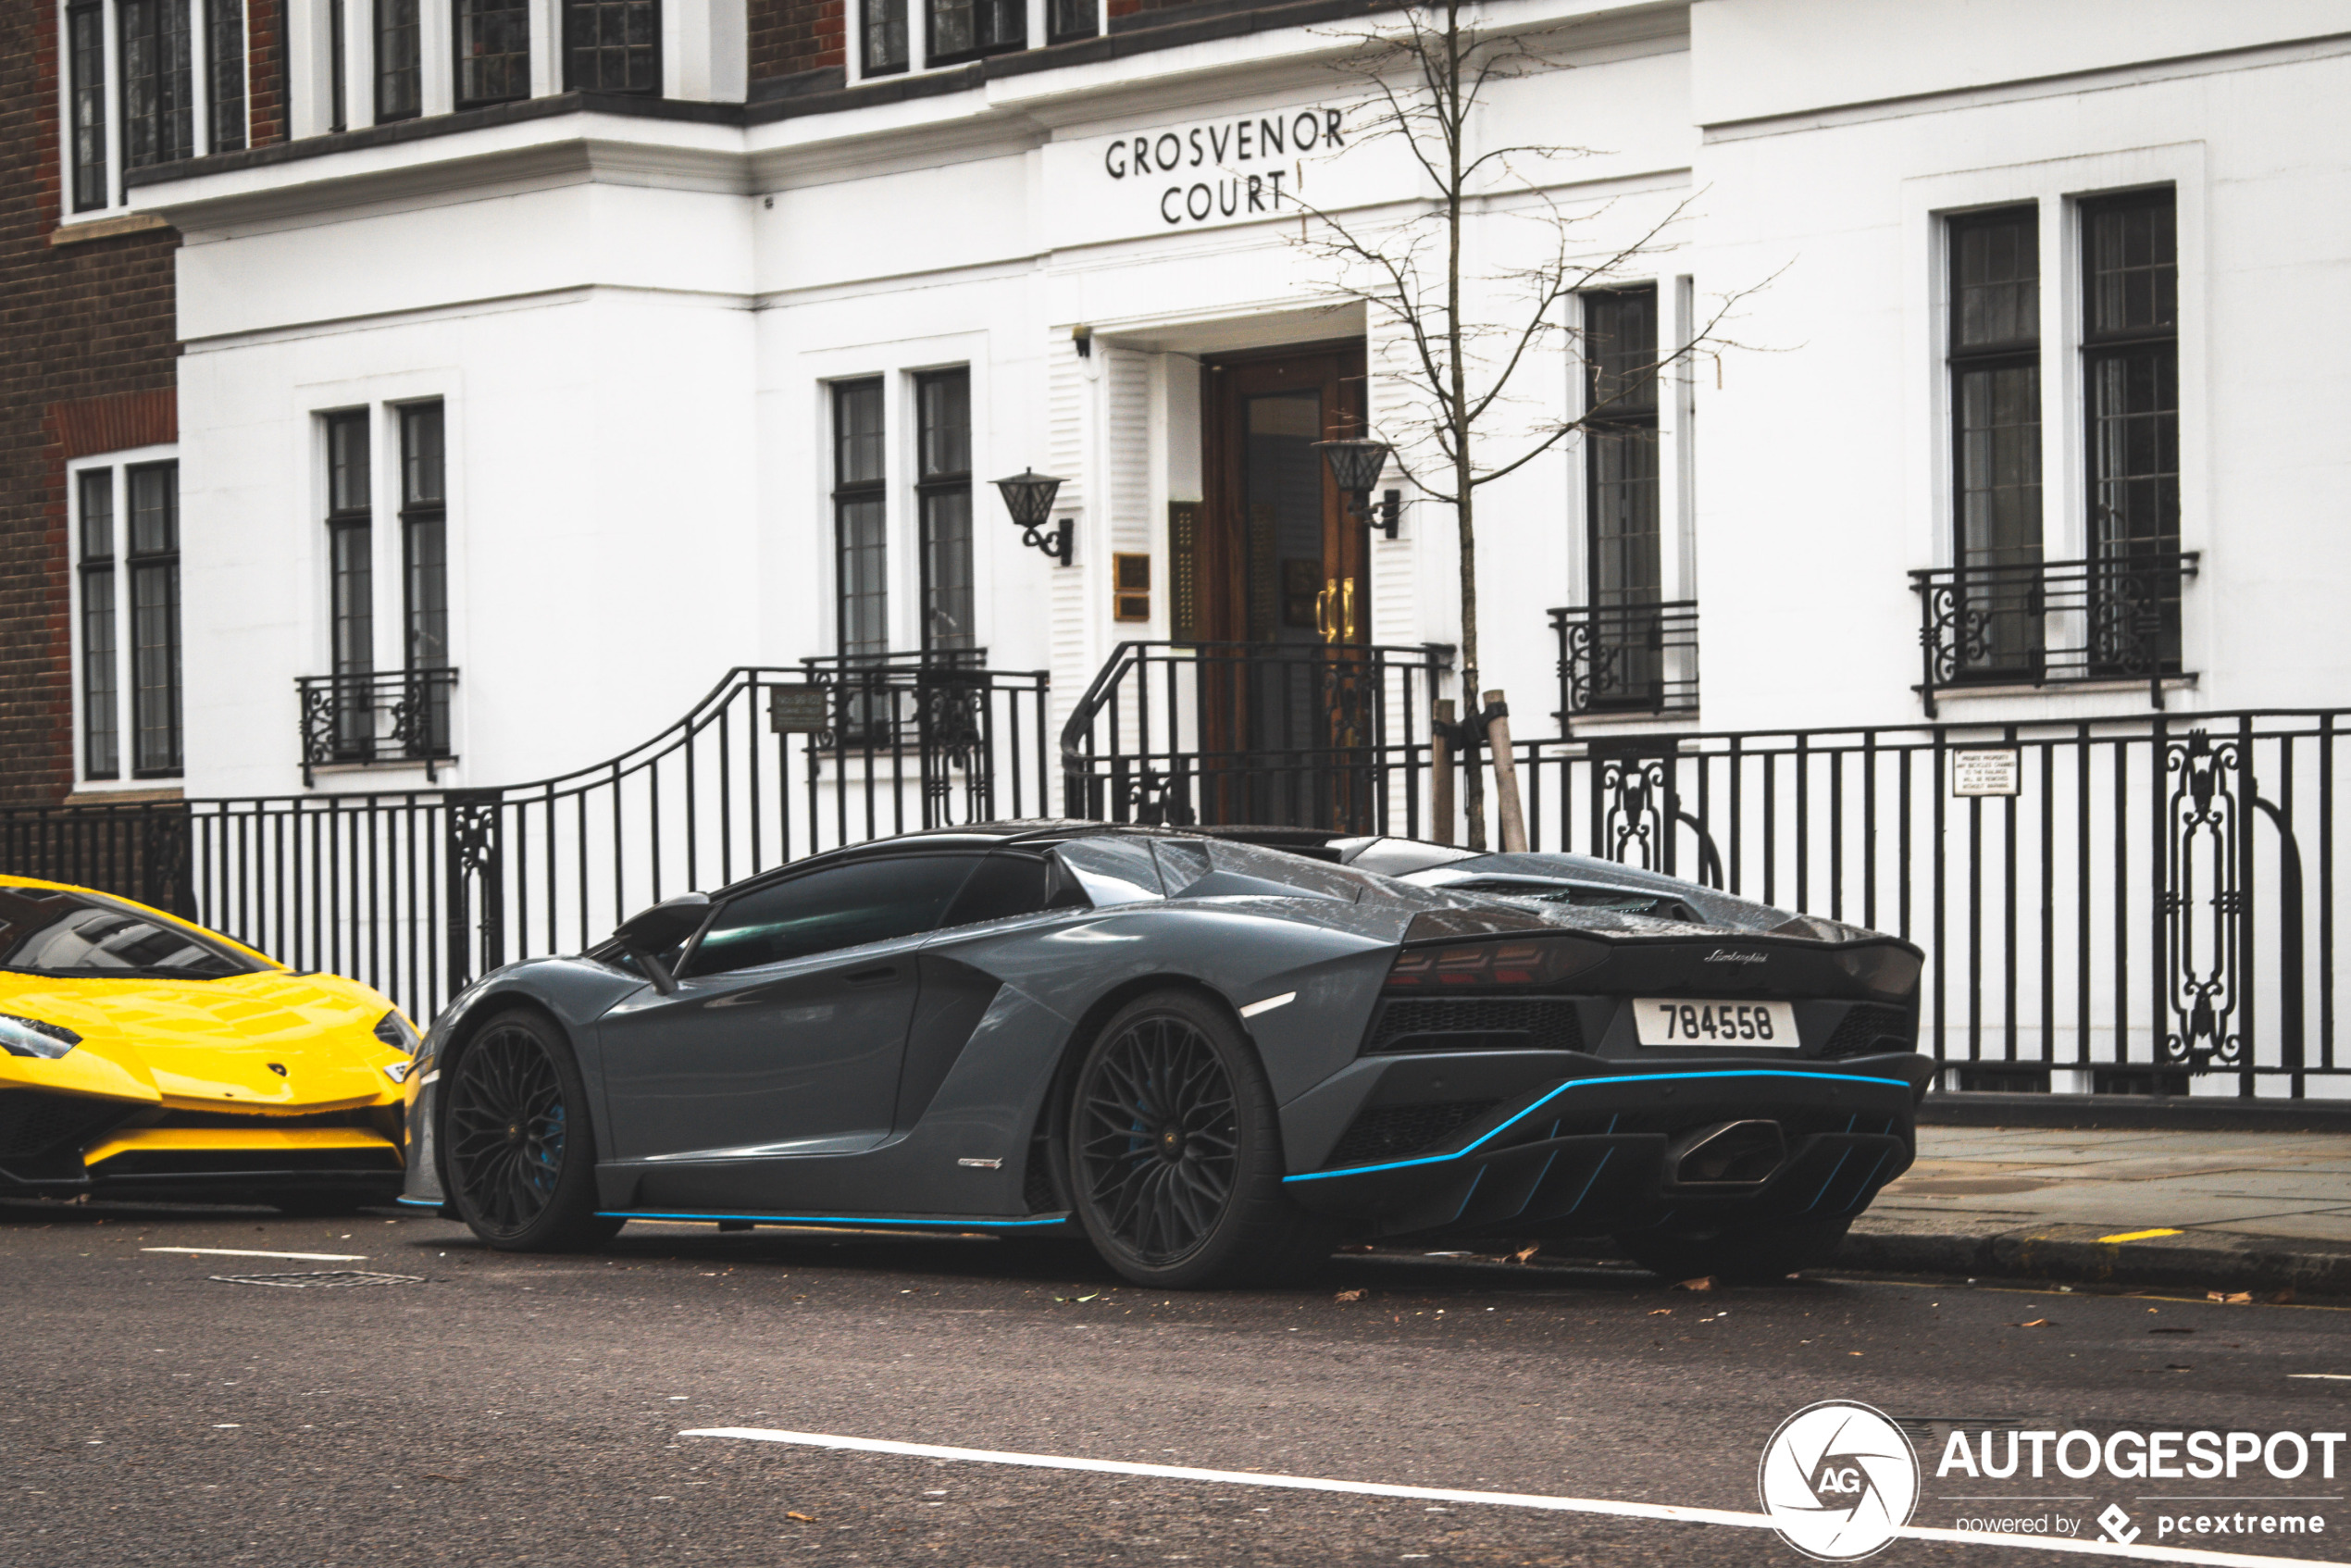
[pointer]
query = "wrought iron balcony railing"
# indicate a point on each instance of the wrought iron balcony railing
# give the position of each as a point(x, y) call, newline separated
point(2052, 623)
point(396, 717)
point(1626, 659)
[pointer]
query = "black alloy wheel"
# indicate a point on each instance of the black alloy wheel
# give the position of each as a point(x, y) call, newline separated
point(520, 1157)
point(1176, 1152)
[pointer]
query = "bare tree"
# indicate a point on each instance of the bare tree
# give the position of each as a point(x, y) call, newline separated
point(1462, 420)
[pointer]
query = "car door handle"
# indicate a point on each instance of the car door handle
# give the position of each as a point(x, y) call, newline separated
point(868, 977)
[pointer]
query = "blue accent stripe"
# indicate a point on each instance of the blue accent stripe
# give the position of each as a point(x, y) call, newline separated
point(1590, 1083)
point(1828, 1179)
point(419, 1202)
point(864, 1222)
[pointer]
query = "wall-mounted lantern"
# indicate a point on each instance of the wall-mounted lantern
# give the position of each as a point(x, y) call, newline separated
point(1028, 496)
point(1355, 467)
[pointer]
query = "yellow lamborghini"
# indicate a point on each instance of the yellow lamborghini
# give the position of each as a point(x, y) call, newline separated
point(144, 1056)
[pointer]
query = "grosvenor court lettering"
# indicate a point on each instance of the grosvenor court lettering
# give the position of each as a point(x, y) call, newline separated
point(1219, 145)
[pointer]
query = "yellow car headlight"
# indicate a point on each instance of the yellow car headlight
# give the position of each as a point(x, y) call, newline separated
point(31, 1037)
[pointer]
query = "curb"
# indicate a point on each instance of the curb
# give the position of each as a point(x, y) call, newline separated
point(2198, 1113)
point(2075, 1254)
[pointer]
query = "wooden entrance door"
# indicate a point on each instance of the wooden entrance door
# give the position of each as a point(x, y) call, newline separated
point(1285, 597)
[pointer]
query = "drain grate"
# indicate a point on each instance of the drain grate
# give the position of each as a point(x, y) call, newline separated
point(323, 1279)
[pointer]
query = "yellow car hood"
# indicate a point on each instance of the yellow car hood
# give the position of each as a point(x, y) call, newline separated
point(269, 1042)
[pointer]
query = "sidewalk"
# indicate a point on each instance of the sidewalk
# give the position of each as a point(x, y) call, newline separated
point(2239, 1210)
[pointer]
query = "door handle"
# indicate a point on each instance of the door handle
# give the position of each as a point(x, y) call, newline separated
point(868, 977)
point(1327, 610)
point(1347, 606)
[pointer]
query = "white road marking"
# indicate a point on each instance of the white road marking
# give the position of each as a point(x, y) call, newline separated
point(2330, 1377)
point(1254, 1008)
point(1509, 1499)
point(241, 1252)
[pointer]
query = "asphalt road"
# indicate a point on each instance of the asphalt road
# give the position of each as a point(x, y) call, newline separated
point(532, 1409)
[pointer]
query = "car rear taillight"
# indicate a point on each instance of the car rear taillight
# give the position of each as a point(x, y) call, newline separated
point(1516, 960)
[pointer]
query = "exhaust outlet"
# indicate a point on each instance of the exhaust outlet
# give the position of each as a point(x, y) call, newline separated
point(1728, 1154)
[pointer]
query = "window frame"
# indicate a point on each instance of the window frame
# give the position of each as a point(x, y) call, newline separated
point(685, 968)
point(424, 515)
point(935, 487)
point(163, 564)
point(458, 58)
point(1056, 10)
point(228, 64)
point(98, 582)
point(866, 17)
point(170, 112)
point(384, 71)
point(873, 491)
point(566, 61)
point(351, 578)
point(83, 195)
point(979, 50)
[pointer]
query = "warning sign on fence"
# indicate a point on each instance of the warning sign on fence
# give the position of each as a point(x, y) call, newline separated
point(1992, 772)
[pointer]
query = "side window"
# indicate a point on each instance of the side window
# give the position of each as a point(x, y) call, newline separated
point(1009, 885)
point(871, 901)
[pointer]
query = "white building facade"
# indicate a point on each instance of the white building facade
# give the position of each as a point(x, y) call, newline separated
point(2034, 297)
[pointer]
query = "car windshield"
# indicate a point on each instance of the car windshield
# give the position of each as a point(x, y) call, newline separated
point(88, 936)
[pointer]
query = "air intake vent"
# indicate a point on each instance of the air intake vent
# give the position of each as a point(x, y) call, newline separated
point(1867, 1027)
point(1476, 1022)
point(33, 1122)
point(1400, 1131)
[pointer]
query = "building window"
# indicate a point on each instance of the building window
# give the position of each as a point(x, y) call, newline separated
point(612, 46)
point(2131, 380)
point(424, 558)
point(225, 49)
point(101, 722)
point(399, 64)
point(960, 30)
point(86, 67)
point(1995, 359)
point(885, 22)
point(338, 69)
point(158, 114)
point(943, 492)
point(1623, 537)
point(1068, 20)
point(154, 565)
point(861, 547)
point(493, 51)
point(351, 581)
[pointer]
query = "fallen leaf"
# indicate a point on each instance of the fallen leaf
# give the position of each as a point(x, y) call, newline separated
point(1852, 1353)
point(2035, 1323)
point(2282, 1297)
point(1348, 1296)
point(1703, 1282)
point(1662, 1311)
point(801, 1517)
point(2230, 1298)
point(1526, 1253)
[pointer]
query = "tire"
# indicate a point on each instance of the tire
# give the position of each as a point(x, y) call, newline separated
point(1175, 1152)
point(1736, 1253)
point(519, 1153)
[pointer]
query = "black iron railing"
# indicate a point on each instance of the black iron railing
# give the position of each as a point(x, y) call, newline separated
point(397, 716)
point(1626, 659)
point(415, 891)
point(2120, 901)
point(1316, 735)
point(2043, 623)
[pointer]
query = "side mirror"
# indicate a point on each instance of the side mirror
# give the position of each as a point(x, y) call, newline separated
point(649, 933)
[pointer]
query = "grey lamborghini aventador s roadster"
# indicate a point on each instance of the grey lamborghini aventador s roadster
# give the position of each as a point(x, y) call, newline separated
point(1213, 1055)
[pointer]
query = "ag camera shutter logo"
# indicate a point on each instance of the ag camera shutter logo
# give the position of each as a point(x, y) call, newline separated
point(1839, 1480)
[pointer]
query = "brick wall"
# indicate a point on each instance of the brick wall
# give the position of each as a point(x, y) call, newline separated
point(789, 36)
point(265, 71)
point(86, 355)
